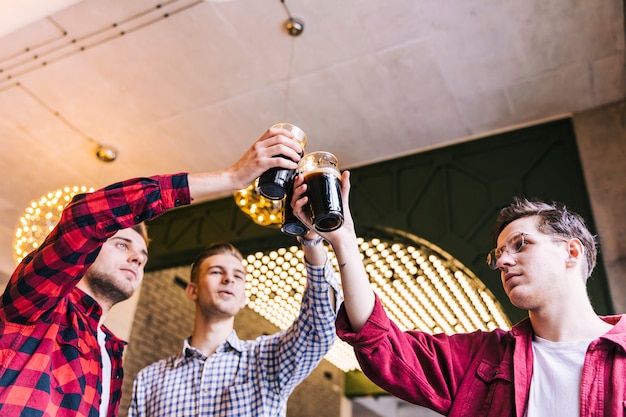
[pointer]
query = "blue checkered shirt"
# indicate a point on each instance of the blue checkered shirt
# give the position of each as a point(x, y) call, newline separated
point(250, 378)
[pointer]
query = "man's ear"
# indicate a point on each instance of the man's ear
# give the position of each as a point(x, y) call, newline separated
point(575, 251)
point(192, 290)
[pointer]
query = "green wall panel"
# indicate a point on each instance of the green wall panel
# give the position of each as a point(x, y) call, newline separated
point(449, 196)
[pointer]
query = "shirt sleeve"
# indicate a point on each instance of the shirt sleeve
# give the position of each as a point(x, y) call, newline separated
point(49, 273)
point(302, 346)
point(138, 400)
point(416, 366)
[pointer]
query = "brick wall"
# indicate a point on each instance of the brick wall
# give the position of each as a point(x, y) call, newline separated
point(164, 317)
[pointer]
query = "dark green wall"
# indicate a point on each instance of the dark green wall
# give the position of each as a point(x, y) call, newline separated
point(448, 196)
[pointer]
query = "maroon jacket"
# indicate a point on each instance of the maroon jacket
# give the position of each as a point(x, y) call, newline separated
point(484, 374)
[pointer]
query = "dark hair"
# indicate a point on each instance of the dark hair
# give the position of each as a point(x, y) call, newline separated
point(553, 218)
point(214, 249)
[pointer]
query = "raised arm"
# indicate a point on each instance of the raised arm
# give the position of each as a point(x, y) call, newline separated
point(261, 156)
point(54, 269)
point(357, 292)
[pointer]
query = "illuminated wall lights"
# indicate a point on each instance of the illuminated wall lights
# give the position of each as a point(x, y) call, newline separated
point(421, 287)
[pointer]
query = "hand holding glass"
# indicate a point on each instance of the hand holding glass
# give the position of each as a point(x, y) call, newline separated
point(323, 180)
point(274, 182)
point(291, 224)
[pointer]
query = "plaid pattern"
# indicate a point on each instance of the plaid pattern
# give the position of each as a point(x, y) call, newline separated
point(243, 378)
point(50, 361)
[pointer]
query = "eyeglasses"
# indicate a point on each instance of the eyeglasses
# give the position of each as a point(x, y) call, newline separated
point(513, 244)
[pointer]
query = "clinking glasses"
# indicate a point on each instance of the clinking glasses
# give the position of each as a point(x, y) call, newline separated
point(513, 244)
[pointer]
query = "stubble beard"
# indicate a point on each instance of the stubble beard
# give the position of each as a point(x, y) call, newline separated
point(105, 287)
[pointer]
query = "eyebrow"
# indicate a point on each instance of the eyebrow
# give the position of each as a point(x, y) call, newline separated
point(241, 270)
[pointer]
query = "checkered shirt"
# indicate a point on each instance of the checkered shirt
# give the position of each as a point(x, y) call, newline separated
point(50, 360)
point(251, 378)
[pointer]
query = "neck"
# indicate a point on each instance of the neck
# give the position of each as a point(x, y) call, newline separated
point(570, 323)
point(208, 335)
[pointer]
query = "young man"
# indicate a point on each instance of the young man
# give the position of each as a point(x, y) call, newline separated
point(218, 374)
point(563, 360)
point(56, 357)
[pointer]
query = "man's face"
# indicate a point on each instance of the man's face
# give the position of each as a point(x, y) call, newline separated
point(534, 274)
point(119, 267)
point(220, 290)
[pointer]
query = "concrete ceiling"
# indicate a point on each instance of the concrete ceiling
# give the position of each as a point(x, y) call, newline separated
point(187, 85)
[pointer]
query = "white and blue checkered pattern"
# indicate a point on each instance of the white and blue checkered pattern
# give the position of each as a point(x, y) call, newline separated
point(251, 378)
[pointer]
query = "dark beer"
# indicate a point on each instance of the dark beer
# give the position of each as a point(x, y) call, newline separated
point(274, 182)
point(291, 224)
point(324, 192)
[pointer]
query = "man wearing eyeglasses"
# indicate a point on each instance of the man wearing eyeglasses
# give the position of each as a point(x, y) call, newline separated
point(563, 360)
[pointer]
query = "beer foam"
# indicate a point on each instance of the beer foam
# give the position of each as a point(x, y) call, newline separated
point(323, 170)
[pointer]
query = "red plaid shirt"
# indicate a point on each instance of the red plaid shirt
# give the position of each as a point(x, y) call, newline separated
point(50, 361)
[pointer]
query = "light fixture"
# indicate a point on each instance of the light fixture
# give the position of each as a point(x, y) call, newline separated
point(106, 153)
point(261, 210)
point(39, 219)
point(293, 25)
point(421, 287)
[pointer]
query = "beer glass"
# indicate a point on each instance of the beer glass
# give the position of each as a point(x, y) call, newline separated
point(291, 224)
point(274, 182)
point(322, 177)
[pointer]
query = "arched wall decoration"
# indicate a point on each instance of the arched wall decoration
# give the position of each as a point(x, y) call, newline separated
point(421, 286)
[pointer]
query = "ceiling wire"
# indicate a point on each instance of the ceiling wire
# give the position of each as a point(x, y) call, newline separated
point(289, 76)
point(294, 27)
point(63, 45)
point(104, 153)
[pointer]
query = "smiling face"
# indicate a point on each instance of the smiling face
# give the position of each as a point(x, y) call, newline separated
point(536, 274)
point(219, 290)
point(118, 270)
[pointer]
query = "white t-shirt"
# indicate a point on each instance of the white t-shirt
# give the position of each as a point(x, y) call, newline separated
point(106, 374)
point(555, 385)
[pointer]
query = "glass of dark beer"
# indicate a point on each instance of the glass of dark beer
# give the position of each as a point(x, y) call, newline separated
point(323, 180)
point(274, 182)
point(291, 224)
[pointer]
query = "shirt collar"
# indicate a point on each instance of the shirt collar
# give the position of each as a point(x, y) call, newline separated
point(522, 328)
point(616, 335)
point(232, 342)
point(86, 304)
point(90, 308)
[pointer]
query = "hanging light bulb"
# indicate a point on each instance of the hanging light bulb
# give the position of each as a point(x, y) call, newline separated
point(293, 25)
point(106, 153)
point(40, 217)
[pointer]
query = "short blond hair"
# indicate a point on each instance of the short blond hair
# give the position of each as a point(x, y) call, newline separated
point(214, 249)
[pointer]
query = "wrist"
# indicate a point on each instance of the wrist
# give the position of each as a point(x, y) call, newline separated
point(309, 242)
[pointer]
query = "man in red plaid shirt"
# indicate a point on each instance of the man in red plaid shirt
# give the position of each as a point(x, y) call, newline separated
point(56, 357)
